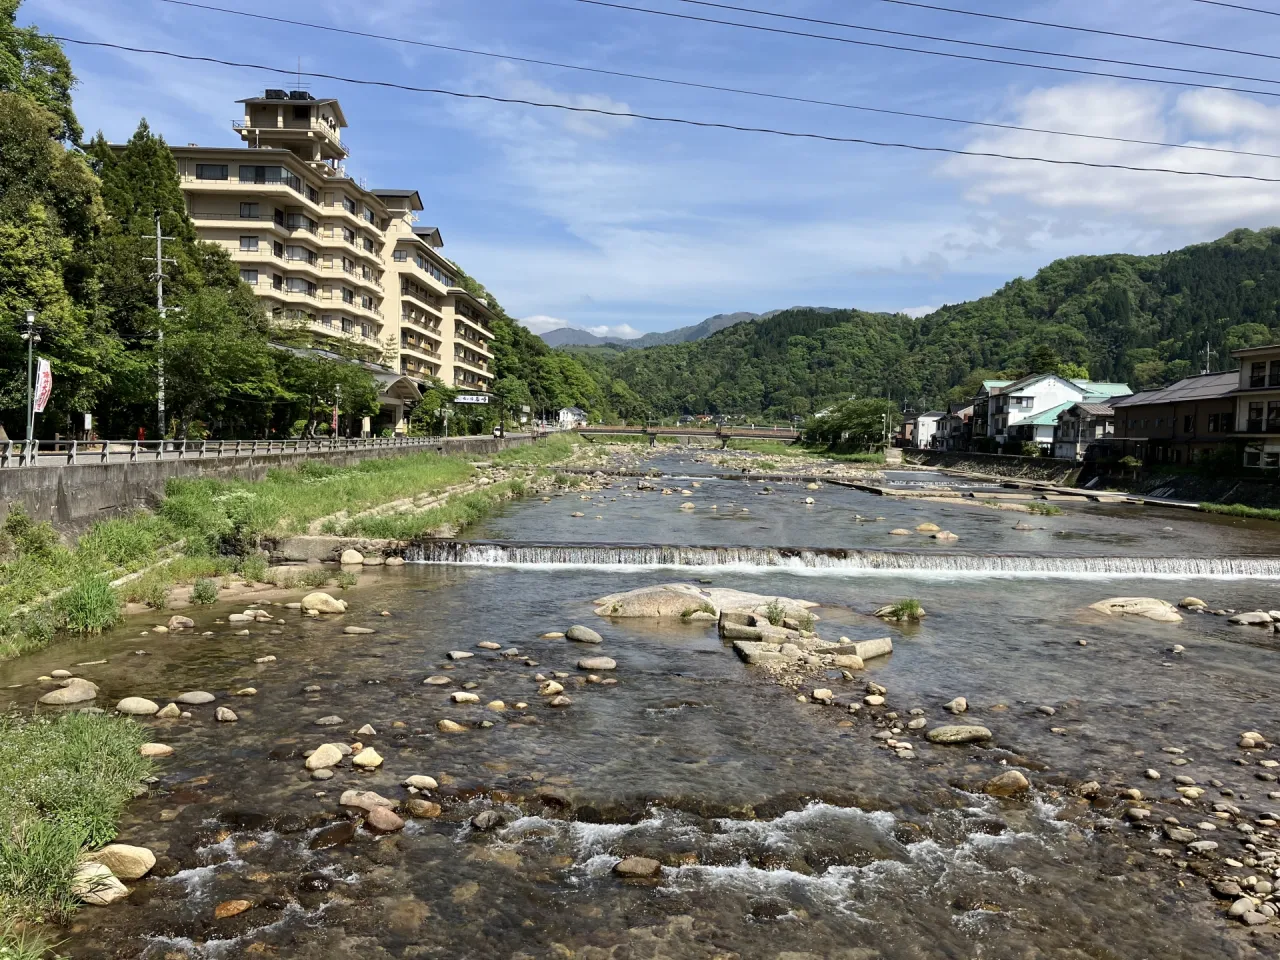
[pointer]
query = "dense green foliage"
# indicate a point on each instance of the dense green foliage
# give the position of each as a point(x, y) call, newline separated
point(1140, 320)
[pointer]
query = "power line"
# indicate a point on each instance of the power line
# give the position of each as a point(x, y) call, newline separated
point(1238, 6)
point(933, 53)
point(975, 43)
point(1097, 31)
point(682, 121)
point(714, 87)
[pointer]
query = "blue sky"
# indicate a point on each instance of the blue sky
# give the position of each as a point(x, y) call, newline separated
point(622, 225)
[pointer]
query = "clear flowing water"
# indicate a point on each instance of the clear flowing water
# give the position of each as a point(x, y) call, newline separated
point(786, 829)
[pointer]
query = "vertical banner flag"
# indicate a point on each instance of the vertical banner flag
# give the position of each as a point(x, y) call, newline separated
point(44, 385)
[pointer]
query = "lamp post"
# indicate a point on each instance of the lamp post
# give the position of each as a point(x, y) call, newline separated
point(32, 339)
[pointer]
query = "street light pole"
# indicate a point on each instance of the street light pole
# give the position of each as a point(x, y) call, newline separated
point(32, 339)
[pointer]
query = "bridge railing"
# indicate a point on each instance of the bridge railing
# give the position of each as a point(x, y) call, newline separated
point(17, 453)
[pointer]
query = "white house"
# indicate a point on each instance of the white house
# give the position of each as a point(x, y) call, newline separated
point(1036, 396)
point(571, 417)
point(927, 428)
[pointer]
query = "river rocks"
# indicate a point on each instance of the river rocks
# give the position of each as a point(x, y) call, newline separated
point(1192, 603)
point(1203, 846)
point(74, 691)
point(873, 700)
point(332, 720)
point(231, 908)
point(240, 618)
point(419, 782)
point(945, 536)
point(899, 613)
point(958, 705)
point(367, 731)
point(155, 750)
point(637, 867)
point(320, 602)
point(583, 634)
point(125, 861)
point(181, 623)
point(1162, 611)
point(758, 652)
point(560, 701)
point(487, 820)
point(367, 759)
point(899, 532)
point(823, 695)
point(357, 631)
point(364, 800)
point(677, 600)
point(550, 688)
point(1257, 618)
point(326, 755)
point(847, 661)
point(462, 696)
point(1007, 784)
point(383, 820)
point(333, 835)
point(351, 558)
point(95, 884)
point(489, 645)
point(1180, 835)
point(928, 527)
point(137, 707)
point(448, 726)
point(267, 659)
point(169, 712)
point(597, 663)
point(423, 809)
point(437, 681)
point(225, 715)
point(195, 698)
point(1023, 526)
point(460, 654)
point(59, 675)
point(1251, 740)
point(870, 649)
point(958, 733)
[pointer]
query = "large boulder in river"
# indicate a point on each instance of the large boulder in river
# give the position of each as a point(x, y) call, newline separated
point(1153, 609)
point(583, 634)
point(323, 603)
point(74, 690)
point(682, 600)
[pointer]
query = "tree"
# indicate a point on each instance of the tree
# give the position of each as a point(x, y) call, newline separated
point(34, 67)
point(216, 351)
point(1043, 359)
point(511, 394)
point(312, 383)
point(855, 423)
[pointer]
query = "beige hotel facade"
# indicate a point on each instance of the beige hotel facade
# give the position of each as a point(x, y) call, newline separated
point(347, 264)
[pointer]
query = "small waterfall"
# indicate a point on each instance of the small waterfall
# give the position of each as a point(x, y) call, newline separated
point(832, 561)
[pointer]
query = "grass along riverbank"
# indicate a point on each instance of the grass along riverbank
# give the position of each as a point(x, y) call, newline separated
point(212, 529)
point(1240, 510)
point(63, 783)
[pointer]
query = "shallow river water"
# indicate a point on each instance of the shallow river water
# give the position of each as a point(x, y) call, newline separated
point(785, 828)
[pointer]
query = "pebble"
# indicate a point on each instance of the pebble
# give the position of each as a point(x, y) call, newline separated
point(1152, 774)
point(367, 758)
point(330, 721)
point(169, 712)
point(356, 631)
point(419, 782)
point(196, 697)
point(448, 726)
point(246, 692)
point(461, 697)
point(155, 750)
point(460, 655)
point(958, 705)
point(266, 659)
point(637, 867)
point(137, 707)
point(224, 715)
point(437, 681)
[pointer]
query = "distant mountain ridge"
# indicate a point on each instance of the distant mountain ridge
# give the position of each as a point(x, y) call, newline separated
point(573, 337)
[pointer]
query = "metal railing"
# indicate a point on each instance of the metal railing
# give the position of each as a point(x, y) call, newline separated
point(15, 453)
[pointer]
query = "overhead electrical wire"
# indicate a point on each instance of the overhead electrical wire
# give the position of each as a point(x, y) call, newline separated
point(1238, 6)
point(755, 11)
point(1097, 31)
point(719, 89)
point(933, 53)
point(682, 121)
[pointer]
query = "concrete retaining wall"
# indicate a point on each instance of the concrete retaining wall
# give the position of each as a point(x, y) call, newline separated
point(998, 465)
point(72, 497)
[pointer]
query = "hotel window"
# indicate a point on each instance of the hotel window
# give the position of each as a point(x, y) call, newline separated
point(249, 276)
point(1274, 379)
point(249, 244)
point(211, 171)
point(348, 296)
point(1186, 423)
point(348, 205)
point(1255, 416)
point(1253, 458)
point(326, 319)
point(277, 249)
point(313, 195)
point(1273, 414)
point(349, 236)
point(277, 282)
point(249, 211)
point(401, 256)
point(1258, 374)
point(1271, 459)
point(1213, 423)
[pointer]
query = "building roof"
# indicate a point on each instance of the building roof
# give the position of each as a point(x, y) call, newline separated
point(1211, 386)
point(1254, 351)
point(933, 414)
point(415, 200)
point(1094, 409)
point(1045, 418)
point(298, 98)
point(1095, 388)
point(430, 234)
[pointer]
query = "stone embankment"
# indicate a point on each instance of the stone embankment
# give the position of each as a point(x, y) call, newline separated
point(1045, 469)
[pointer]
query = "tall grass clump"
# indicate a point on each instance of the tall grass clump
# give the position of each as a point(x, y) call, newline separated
point(1044, 509)
point(63, 784)
point(1240, 510)
point(775, 612)
point(908, 609)
point(91, 605)
point(204, 591)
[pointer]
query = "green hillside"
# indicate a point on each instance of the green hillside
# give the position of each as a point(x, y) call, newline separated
point(1142, 320)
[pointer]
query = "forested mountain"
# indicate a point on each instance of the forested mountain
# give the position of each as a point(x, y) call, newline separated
point(1142, 320)
point(572, 337)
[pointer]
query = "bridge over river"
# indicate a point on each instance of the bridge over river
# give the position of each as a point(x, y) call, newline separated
point(722, 433)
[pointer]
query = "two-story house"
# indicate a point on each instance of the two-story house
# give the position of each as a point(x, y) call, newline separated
point(1179, 423)
point(953, 431)
point(926, 429)
point(1257, 413)
point(1080, 426)
point(1040, 398)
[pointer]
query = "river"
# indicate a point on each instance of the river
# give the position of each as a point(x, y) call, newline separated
point(786, 829)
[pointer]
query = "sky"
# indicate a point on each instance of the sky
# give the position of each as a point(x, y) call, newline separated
point(620, 225)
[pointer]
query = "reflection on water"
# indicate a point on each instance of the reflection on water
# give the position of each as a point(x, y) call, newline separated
point(785, 828)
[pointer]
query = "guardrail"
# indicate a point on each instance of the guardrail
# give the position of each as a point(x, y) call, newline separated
point(52, 453)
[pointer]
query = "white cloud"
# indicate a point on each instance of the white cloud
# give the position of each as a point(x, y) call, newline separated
point(918, 311)
point(542, 324)
point(623, 330)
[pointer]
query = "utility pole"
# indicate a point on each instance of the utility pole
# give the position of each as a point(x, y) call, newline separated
point(1207, 353)
point(160, 260)
point(32, 339)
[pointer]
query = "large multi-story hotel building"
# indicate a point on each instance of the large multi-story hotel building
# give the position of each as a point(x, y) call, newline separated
point(347, 264)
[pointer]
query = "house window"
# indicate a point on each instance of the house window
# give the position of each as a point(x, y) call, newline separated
point(1253, 458)
point(249, 244)
point(1255, 417)
point(302, 113)
point(249, 211)
point(277, 282)
point(1258, 374)
point(1271, 459)
point(401, 256)
point(1274, 379)
point(249, 276)
point(1273, 415)
point(211, 171)
point(1213, 423)
point(1186, 423)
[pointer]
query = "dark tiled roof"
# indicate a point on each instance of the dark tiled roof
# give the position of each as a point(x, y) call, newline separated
point(1210, 386)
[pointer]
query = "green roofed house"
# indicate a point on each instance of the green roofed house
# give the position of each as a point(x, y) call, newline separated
point(1036, 402)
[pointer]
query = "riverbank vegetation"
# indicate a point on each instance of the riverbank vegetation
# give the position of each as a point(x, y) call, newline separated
point(1240, 510)
point(63, 783)
point(211, 528)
